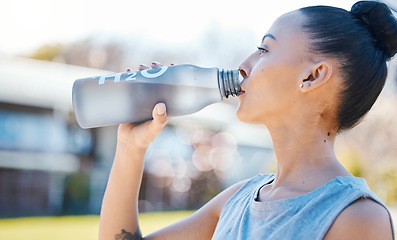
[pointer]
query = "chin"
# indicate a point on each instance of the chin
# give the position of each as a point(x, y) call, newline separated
point(249, 117)
point(243, 116)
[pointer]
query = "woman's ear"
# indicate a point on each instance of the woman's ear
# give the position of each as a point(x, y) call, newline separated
point(319, 74)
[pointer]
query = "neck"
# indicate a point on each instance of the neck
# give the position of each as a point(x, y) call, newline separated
point(305, 154)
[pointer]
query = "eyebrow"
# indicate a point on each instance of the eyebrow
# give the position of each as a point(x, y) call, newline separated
point(268, 35)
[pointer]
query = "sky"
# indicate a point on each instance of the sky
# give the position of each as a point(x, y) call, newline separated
point(26, 25)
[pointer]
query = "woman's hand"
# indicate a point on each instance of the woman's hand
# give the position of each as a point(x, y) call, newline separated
point(140, 136)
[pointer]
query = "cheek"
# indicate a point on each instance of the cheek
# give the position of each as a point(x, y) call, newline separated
point(275, 82)
point(269, 90)
point(263, 100)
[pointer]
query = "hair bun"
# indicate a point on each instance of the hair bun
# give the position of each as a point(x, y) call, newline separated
point(381, 23)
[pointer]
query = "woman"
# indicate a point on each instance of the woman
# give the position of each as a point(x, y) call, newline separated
point(317, 72)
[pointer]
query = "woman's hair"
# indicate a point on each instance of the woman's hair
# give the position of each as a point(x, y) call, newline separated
point(361, 40)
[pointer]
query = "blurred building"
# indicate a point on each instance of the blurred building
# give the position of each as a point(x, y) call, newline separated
point(50, 166)
point(40, 143)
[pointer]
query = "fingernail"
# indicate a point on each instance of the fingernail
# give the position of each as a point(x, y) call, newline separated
point(155, 63)
point(128, 69)
point(143, 66)
point(160, 109)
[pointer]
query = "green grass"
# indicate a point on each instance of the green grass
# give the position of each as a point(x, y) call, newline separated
point(76, 227)
point(80, 227)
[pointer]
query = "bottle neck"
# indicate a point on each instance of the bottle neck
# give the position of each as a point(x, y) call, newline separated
point(229, 82)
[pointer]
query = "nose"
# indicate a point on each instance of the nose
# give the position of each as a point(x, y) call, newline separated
point(243, 72)
point(245, 67)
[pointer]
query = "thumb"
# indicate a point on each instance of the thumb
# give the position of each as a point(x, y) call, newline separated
point(160, 119)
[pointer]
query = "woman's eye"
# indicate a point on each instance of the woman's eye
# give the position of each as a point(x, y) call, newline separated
point(262, 50)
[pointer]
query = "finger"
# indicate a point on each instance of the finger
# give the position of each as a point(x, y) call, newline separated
point(156, 64)
point(159, 110)
point(159, 119)
point(128, 70)
point(159, 113)
point(143, 67)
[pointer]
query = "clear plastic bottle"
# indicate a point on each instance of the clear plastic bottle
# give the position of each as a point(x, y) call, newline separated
point(130, 96)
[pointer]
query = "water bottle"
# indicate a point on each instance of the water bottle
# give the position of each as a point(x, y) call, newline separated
point(130, 96)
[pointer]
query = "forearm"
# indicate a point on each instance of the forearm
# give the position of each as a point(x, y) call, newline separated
point(120, 203)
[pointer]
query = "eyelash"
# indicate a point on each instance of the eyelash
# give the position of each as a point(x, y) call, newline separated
point(262, 50)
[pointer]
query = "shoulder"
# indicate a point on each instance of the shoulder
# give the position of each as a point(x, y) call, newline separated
point(363, 219)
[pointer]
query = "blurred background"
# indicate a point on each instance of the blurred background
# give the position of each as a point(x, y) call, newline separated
point(49, 166)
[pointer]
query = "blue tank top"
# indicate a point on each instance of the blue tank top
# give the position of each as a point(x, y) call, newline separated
point(304, 217)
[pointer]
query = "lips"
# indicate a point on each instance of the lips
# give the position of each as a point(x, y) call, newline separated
point(242, 91)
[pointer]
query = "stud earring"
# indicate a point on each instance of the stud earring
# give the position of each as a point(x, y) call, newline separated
point(301, 85)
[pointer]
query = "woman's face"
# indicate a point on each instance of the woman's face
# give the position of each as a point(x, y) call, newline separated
point(274, 72)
